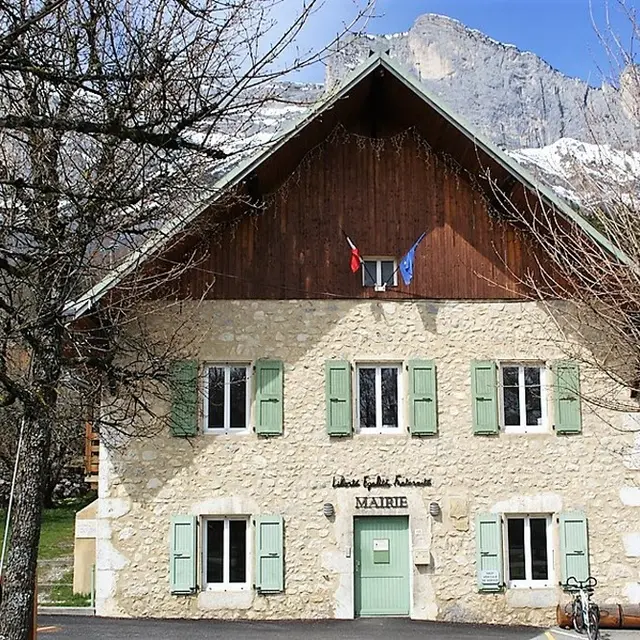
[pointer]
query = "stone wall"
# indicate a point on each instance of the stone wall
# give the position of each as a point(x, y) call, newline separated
point(142, 486)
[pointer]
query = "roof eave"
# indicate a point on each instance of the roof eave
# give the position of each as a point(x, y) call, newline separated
point(84, 303)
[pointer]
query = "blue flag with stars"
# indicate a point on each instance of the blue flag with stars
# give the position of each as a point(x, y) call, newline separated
point(406, 264)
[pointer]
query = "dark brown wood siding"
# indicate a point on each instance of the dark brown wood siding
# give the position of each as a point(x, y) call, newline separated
point(384, 199)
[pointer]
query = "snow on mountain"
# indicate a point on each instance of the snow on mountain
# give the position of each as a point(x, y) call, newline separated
point(562, 156)
point(582, 171)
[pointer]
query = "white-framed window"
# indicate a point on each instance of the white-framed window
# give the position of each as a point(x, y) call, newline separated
point(379, 392)
point(379, 272)
point(523, 397)
point(227, 398)
point(529, 551)
point(226, 553)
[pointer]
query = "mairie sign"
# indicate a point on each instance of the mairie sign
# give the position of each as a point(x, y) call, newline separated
point(381, 502)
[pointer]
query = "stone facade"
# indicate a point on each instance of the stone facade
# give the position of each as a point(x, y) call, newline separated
point(142, 486)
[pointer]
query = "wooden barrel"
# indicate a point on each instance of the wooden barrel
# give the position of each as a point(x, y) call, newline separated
point(630, 616)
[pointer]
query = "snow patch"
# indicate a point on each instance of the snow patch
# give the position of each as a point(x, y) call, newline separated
point(586, 173)
point(284, 109)
point(561, 156)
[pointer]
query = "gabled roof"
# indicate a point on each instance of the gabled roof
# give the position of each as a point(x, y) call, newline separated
point(236, 175)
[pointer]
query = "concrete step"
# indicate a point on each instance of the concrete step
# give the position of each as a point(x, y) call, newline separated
point(66, 611)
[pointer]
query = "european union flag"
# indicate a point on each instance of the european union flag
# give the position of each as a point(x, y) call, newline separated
point(406, 264)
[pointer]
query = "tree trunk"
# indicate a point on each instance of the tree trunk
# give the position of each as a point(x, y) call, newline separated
point(19, 577)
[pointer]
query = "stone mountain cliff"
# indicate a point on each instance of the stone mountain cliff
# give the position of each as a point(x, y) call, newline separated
point(513, 97)
point(570, 134)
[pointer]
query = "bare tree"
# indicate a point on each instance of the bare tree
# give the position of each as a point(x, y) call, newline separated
point(595, 273)
point(591, 290)
point(65, 454)
point(113, 115)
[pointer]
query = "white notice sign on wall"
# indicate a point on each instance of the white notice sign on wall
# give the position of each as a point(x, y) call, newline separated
point(381, 544)
point(490, 576)
point(86, 528)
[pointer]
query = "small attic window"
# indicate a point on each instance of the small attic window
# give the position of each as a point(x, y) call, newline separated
point(379, 273)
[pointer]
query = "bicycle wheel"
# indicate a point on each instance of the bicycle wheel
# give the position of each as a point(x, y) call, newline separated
point(594, 622)
point(578, 620)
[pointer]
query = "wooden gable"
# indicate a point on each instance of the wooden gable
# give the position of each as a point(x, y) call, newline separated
point(383, 167)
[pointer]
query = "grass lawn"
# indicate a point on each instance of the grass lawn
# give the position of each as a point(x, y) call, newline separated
point(56, 541)
point(61, 594)
point(56, 537)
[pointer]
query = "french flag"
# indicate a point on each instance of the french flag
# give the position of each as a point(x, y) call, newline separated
point(356, 258)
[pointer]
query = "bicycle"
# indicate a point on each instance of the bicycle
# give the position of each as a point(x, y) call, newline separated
point(584, 613)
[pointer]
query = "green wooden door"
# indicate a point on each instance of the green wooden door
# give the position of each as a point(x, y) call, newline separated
point(381, 556)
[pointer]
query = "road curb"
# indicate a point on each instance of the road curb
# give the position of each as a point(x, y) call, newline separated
point(66, 611)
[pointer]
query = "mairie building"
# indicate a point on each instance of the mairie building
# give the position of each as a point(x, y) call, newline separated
point(357, 429)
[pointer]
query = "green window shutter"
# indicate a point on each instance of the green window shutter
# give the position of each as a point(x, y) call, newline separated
point(269, 554)
point(574, 546)
point(568, 412)
point(423, 401)
point(269, 397)
point(489, 561)
point(184, 398)
point(183, 555)
point(484, 390)
point(338, 397)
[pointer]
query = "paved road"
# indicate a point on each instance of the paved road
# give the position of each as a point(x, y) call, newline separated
point(82, 628)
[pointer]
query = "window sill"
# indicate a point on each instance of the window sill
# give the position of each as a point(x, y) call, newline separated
point(219, 433)
point(376, 432)
point(225, 588)
point(379, 287)
point(533, 431)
